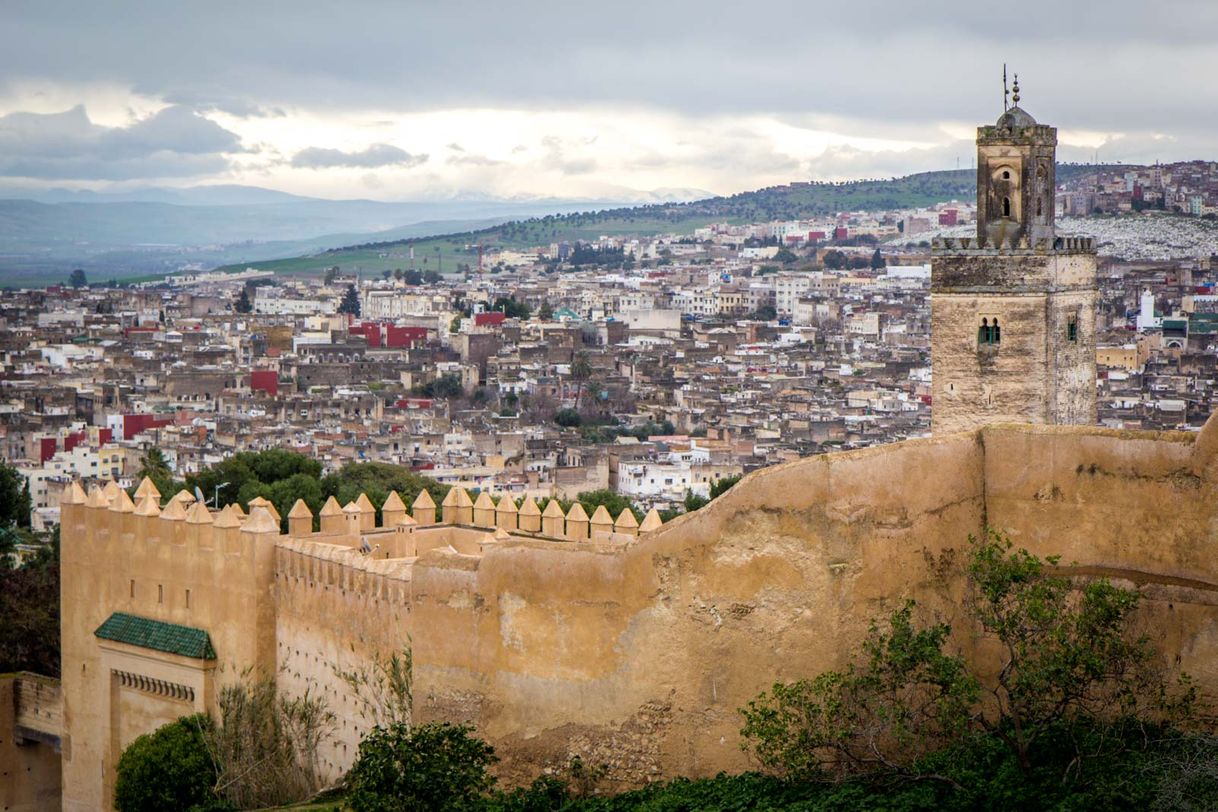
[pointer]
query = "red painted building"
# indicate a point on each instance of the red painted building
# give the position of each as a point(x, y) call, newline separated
point(405, 336)
point(265, 381)
point(490, 319)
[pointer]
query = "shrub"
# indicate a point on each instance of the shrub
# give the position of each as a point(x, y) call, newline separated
point(437, 766)
point(169, 768)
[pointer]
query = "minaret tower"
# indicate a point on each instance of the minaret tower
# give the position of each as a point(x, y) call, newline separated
point(1013, 309)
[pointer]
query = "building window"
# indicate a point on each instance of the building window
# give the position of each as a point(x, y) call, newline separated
point(1006, 207)
point(133, 588)
point(989, 332)
point(1072, 330)
point(188, 599)
point(1006, 174)
point(160, 593)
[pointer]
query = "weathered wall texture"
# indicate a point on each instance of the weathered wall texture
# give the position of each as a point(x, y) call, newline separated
point(29, 768)
point(637, 652)
point(1041, 371)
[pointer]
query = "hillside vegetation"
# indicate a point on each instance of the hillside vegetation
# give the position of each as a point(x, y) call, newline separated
point(446, 252)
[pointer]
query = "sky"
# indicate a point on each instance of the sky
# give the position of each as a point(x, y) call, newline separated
point(529, 99)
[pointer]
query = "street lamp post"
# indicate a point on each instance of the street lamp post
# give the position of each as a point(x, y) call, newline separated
point(215, 500)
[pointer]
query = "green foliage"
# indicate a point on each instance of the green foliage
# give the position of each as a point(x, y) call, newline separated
point(265, 747)
point(436, 766)
point(568, 418)
point(785, 255)
point(512, 308)
point(155, 467)
point(1067, 652)
point(613, 501)
point(77, 278)
point(15, 503)
point(350, 303)
point(723, 485)
point(377, 479)
point(447, 386)
point(694, 502)
point(1073, 694)
point(384, 691)
point(169, 768)
point(546, 311)
point(905, 699)
point(29, 608)
point(243, 303)
point(877, 260)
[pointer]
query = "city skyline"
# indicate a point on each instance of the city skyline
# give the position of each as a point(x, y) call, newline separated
point(545, 100)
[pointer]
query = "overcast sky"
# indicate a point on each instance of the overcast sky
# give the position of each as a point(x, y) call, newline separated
point(414, 100)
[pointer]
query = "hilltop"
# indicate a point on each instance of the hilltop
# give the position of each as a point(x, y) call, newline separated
point(799, 200)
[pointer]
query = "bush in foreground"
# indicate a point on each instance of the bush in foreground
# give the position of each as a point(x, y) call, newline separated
point(169, 768)
point(436, 766)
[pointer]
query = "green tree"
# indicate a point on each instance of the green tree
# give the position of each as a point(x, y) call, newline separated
point(437, 766)
point(155, 467)
point(835, 260)
point(350, 303)
point(785, 255)
point(905, 699)
point(77, 279)
point(15, 501)
point(1067, 653)
point(169, 768)
point(1073, 686)
point(694, 502)
point(613, 501)
point(545, 312)
point(568, 418)
point(512, 308)
point(29, 606)
point(243, 304)
point(581, 373)
point(877, 261)
point(723, 485)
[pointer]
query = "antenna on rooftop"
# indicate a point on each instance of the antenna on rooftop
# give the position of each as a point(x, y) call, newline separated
point(1005, 93)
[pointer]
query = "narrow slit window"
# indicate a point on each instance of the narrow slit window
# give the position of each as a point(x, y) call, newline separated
point(1006, 207)
point(160, 593)
point(983, 332)
point(132, 587)
point(1072, 330)
point(995, 332)
point(188, 599)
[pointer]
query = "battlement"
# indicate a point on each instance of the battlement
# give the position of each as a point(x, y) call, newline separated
point(1016, 246)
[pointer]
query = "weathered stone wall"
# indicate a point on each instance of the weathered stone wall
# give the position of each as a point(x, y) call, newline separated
point(1037, 373)
point(636, 651)
point(29, 769)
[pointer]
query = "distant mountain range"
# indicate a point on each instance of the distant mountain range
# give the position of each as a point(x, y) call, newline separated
point(142, 232)
point(153, 231)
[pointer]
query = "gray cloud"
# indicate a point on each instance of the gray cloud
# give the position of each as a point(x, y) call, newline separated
point(374, 156)
point(871, 68)
point(175, 142)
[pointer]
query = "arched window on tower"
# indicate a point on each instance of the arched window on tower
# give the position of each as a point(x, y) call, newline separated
point(1006, 174)
point(995, 332)
point(1006, 207)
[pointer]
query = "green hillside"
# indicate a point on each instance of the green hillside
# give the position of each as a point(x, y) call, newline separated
point(801, 200)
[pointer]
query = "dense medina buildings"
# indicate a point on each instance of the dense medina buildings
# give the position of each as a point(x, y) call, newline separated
point(694, 360)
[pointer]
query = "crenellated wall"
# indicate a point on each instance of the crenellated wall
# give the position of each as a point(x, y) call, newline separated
point(631, 645)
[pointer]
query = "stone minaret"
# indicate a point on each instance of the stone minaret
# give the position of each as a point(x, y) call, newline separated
point(1013, 310)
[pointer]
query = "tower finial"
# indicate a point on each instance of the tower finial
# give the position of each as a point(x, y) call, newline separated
point(1006, 93)
point(1015, 91)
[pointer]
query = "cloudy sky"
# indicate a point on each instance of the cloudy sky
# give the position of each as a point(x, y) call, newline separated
point(419, 100)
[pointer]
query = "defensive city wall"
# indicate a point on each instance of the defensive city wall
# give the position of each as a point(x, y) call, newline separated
point(630, 645)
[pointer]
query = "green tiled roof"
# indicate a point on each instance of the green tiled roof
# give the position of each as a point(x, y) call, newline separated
point(157, 635)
